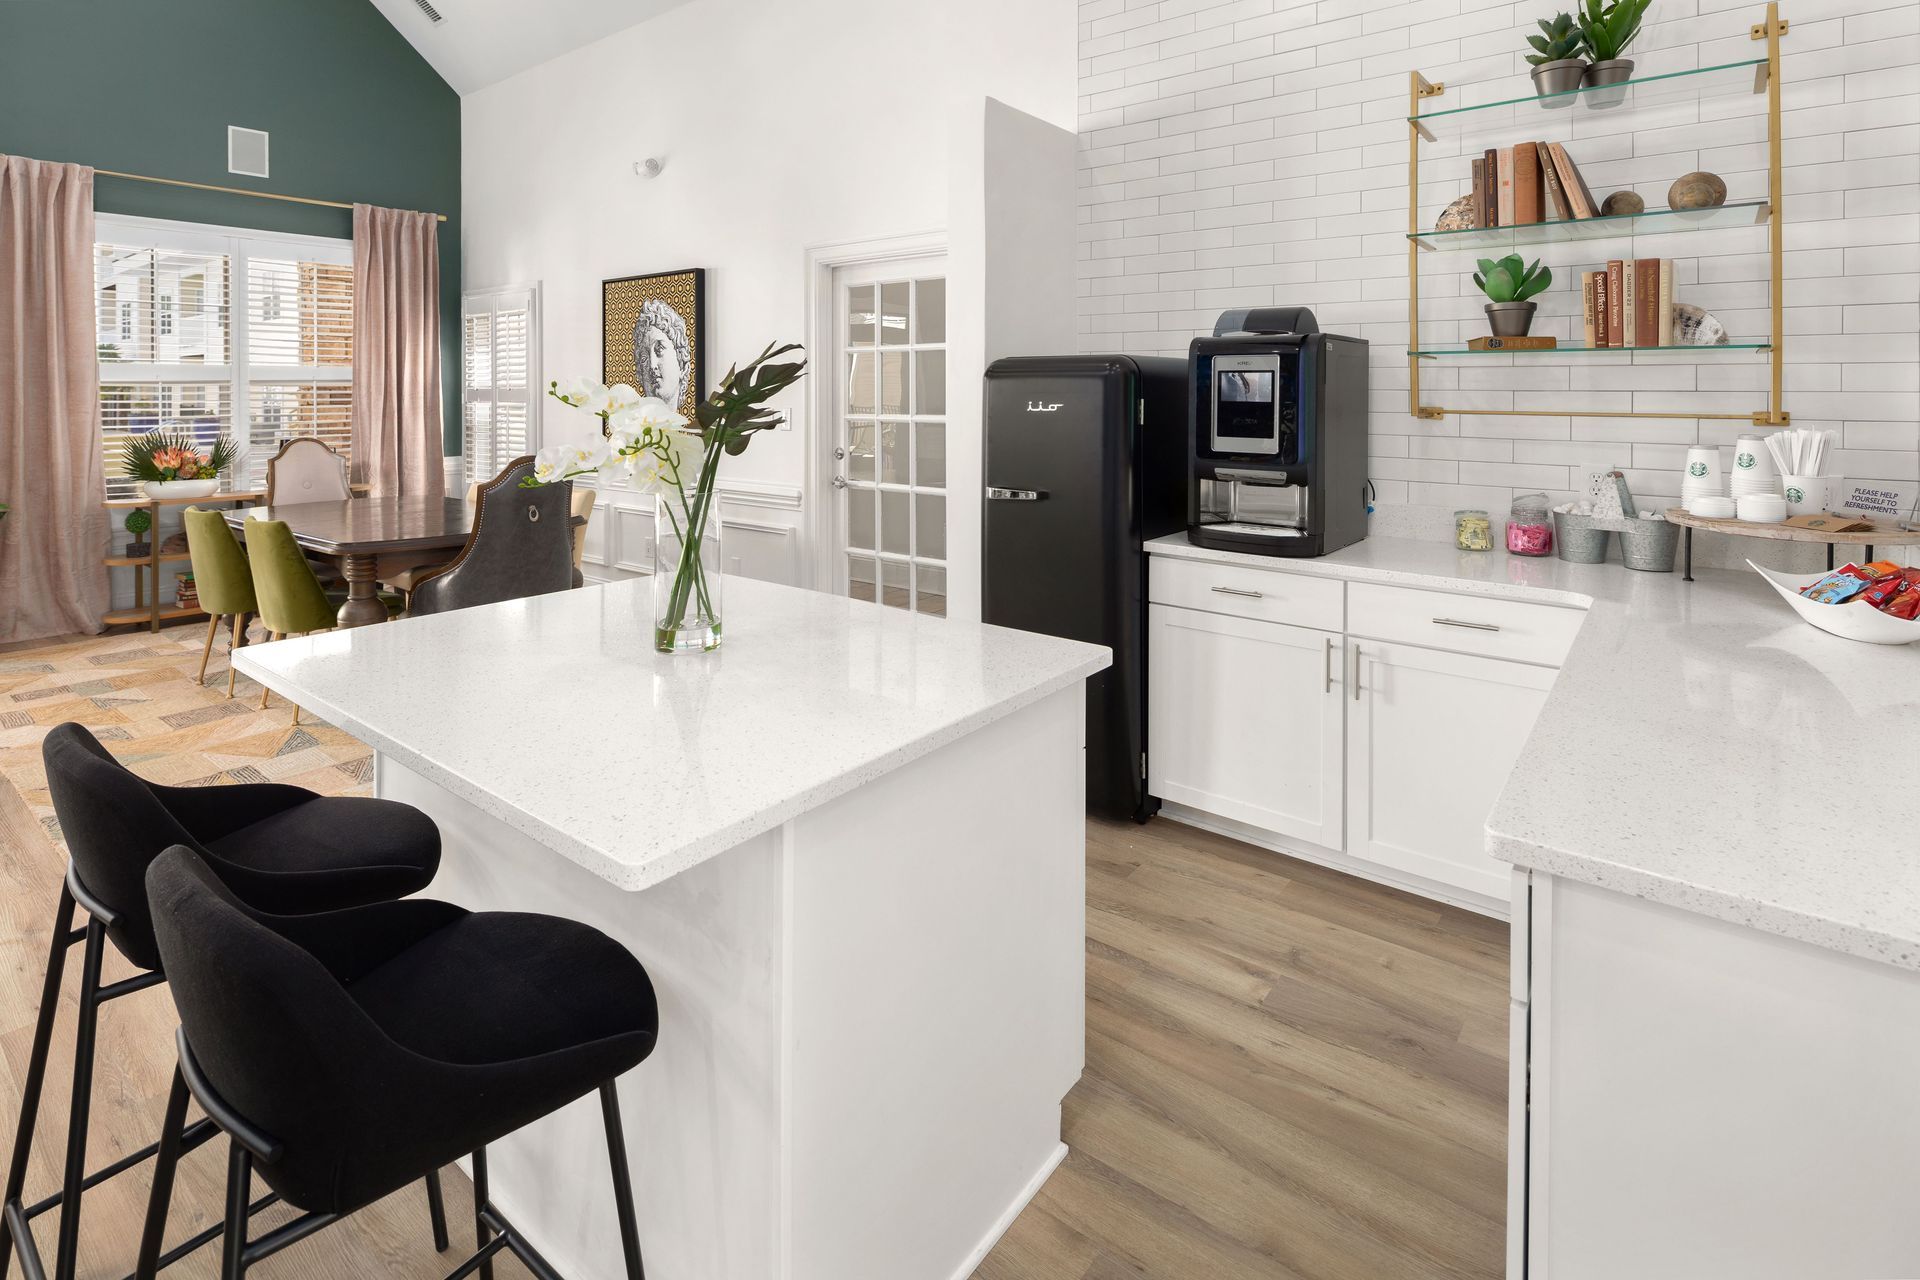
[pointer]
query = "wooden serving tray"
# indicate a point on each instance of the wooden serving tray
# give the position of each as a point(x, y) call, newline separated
point(1881, 535)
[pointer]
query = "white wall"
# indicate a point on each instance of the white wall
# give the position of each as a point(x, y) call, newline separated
point(782, 125)
point(1244, 152)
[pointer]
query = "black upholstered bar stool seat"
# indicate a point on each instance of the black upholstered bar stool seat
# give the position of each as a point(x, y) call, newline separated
point(347, 1054)
point(283, 848)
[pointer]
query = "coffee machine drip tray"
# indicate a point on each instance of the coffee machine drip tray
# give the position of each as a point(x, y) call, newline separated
point(1243, 529)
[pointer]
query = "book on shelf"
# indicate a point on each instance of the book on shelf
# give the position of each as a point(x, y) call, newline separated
point(1616, 300)
point(1578, 196)
point(1479, 192)
point(1588, 293)
point(1646, 294)
point(1490, 195)
point(1524, 342)
point(1506, 186)
point(1600, 336)
point(1556, 198)
point(1665, 295)
point(1526, 183)
point(1630, 303)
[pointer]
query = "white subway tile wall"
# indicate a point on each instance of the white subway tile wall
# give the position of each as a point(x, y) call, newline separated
point(1240, 153)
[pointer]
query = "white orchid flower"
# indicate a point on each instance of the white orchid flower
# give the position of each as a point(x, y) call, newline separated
point(622, 395)
point(550, 464)
point(589, 455)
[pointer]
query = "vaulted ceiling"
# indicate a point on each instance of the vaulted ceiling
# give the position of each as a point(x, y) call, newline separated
point(477, 43)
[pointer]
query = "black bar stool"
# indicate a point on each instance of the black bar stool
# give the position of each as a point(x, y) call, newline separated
point(283, 847)
point(346, 1054)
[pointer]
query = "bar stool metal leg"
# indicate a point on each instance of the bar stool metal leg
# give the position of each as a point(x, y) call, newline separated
point(481, 1233)
point(233, 1245)
point(81, 1108)
point(622, 1179)
point(36, 1069)
point(437, 1211)
point(161, 1196)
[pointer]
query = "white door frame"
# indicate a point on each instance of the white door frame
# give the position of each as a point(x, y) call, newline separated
point(822, 321)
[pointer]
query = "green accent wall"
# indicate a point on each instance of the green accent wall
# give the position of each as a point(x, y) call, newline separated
point(150, 86)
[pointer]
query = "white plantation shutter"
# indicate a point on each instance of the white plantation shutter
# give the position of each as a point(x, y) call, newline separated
point(164, 340)
point(210, 331)
point(499, 385)
point(299, 341)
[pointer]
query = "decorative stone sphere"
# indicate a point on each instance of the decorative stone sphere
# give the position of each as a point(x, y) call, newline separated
point(1458, 216)
point(1699, 190)
point(1621, 203)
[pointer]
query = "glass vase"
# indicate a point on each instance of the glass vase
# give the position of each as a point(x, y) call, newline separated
point(686, 570)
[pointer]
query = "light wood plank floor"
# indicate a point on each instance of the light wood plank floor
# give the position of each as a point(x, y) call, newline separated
point(1290, 1073)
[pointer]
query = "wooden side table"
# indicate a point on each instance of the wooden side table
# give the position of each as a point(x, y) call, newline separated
point(157, 610)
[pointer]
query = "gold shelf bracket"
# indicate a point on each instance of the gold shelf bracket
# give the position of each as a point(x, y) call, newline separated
point(1768, 418)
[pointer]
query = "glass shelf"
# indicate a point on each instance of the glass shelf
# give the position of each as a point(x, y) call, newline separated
point(1449, 353)
point(1743, 213)
point(1730, 79)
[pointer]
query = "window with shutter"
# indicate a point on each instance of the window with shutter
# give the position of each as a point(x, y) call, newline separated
point(499, 384)
point(211, 331)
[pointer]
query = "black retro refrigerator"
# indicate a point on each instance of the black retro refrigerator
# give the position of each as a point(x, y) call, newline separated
point(1086, 458)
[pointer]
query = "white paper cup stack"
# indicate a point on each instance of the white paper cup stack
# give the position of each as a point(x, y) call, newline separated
point(1703, 478)
point(1753, 469)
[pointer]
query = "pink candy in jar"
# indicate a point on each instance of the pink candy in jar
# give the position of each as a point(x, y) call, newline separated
point(1530, 526)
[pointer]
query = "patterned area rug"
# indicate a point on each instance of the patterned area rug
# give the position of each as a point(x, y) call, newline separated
point(138, 694)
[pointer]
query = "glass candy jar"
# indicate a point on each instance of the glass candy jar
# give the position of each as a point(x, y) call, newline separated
point(1472, 531)
point(1530, 526)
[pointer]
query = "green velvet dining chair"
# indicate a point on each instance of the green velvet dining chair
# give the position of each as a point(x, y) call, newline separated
point(225, 582)
point(290, 597)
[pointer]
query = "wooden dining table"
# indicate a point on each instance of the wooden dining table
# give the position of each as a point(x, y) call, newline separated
point(372, 538)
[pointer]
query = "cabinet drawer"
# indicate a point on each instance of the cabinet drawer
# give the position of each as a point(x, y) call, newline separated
point(1512, 629)
point(1247, 593)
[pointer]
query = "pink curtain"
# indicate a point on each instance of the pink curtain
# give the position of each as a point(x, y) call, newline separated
point(51, 469)
point(396, 352)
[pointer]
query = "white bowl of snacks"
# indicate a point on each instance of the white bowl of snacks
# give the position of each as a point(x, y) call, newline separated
point(1846, 609)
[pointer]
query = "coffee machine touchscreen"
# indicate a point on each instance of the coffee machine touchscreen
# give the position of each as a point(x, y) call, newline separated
point(1245, 413)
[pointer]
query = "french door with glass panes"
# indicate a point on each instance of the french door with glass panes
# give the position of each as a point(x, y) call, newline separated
point(889, 436)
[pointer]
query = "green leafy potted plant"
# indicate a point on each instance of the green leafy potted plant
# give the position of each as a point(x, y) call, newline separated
point(173, 464)
point(137, 523)
point(1557, 66)
point(1509, 284)
point(1606, 30)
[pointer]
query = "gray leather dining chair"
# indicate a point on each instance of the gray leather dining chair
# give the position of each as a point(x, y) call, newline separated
point(521, 545)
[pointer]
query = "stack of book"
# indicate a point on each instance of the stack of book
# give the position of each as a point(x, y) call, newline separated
point(1630, 304)
point(186, 593)
point(1529, 182)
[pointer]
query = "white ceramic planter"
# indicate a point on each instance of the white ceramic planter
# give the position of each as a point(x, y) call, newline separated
point(181, 488)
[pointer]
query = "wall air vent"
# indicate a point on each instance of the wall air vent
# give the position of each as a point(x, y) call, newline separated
point(246, 151)
point(433, 15)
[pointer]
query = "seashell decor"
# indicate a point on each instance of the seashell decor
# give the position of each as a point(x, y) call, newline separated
point(1696, 327)
point(1698, 190)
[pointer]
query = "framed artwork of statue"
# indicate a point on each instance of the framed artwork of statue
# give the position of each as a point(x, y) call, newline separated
point(653, 331)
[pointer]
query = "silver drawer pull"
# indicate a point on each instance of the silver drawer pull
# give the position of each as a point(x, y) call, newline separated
point(1240, 591)
point(1472, 626)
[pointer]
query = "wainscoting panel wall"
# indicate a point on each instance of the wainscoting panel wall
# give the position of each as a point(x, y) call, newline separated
point(1248, 152)
point(760, 533)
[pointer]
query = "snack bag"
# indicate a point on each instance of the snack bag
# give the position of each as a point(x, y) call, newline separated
point(1885, 590)
point(1904, 605)
point(1842, 584)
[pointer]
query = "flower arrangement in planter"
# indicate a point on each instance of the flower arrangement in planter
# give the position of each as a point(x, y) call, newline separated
point(1606, 30)
point(1509, 285)
point(1557, 65)
point(173, 464)
point(652, 443)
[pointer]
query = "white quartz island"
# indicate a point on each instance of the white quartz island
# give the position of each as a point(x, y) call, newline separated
point(849, 849)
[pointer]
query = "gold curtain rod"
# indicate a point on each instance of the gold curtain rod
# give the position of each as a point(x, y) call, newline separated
point(232, 191)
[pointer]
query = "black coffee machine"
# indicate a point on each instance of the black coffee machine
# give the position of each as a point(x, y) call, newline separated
point(1277, 436)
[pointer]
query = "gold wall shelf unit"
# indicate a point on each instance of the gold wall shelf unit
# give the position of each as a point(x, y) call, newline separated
point(1428, 122)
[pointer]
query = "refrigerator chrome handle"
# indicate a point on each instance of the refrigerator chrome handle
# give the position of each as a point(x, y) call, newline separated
point(1015, 495)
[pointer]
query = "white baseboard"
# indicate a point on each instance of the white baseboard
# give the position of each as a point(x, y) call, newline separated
point(978, 1254)
point(1335, 860)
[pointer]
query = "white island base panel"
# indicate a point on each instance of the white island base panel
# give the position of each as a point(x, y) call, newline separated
point(869, 1017)
point(1707, 1099)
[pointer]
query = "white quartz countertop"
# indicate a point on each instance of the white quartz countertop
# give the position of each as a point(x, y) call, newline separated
point(555, 715)
point(1702, 747)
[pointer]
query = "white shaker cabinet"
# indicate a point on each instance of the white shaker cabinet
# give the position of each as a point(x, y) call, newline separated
point(1245, 720)
point(1431, 738)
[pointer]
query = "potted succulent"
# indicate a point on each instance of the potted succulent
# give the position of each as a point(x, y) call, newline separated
point(1606, 30)
point(173, 464)
point(1557, 66)
point(1509, 284)
point(137, 523)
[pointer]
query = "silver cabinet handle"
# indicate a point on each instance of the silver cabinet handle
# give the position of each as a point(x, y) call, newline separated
point(1473, 626)
point(1356, 673)
point(1240, 591)
point(1326, 666)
